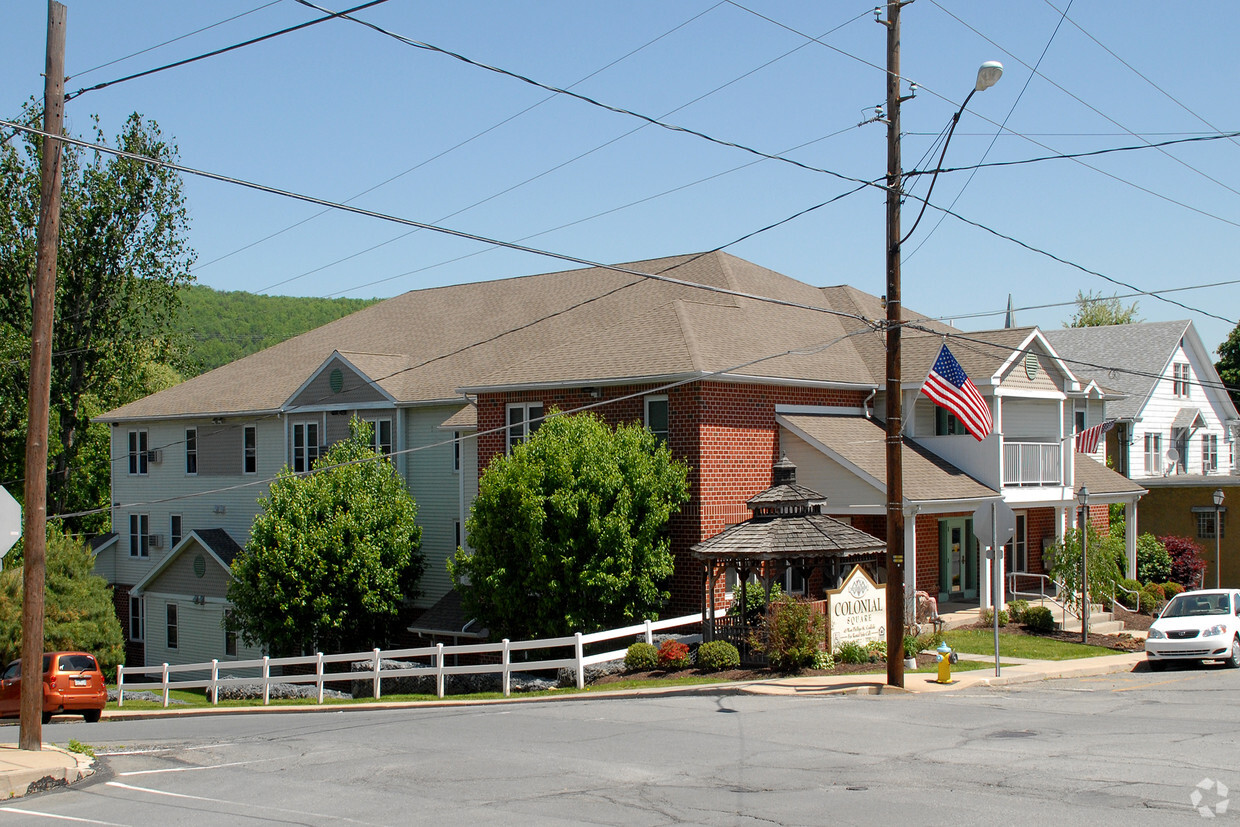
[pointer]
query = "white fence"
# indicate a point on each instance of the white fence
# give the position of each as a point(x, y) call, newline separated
point(184, 676)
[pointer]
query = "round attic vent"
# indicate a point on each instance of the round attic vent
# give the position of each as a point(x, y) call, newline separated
point(336, 380)
point(1031, 365)
point(200, 566)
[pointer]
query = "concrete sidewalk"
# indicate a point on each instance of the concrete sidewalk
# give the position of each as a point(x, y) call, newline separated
point(23, 772)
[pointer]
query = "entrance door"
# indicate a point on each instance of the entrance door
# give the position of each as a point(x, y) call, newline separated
point(957, 560)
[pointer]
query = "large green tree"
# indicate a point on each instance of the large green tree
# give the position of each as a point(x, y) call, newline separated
point(1098, 310)
point(568, 531)
point(77, 605)
point(1228, 365)
point(334, 556)
point(122, 258)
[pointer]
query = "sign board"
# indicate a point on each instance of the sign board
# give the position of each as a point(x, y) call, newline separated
point(991, 515)
point(856, 611)
point(10, 521)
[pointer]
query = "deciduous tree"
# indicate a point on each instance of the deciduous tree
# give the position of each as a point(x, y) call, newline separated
point(1098, 310)
point(1228, 365)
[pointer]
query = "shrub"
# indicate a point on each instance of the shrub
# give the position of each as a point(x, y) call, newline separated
point(1040, 620)
point(911, 646)
point(988, 617)
point(1171, 589)
point(849, 652)
point(824, 661)
point(876, 649)
point(1152, 598)
point(673, 655)
point(716, 655)
point(1128, 594)
point(1016, 610)
point(1187, 564)
point(1153, 561)
point(929, 641)
point(793, 633)
point(641, 657)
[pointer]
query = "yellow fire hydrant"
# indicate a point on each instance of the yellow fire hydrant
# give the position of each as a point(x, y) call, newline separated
point(946, 657)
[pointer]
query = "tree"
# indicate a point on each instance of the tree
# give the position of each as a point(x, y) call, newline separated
point(122, 259)
point(1188, 564)
point(334, 556)
point(568, 531)
point(1103, 565)
point(1097, 310)
point(78, 610)
point(1228, 365)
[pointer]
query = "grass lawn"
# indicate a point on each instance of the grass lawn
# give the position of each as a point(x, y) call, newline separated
point(982, 642)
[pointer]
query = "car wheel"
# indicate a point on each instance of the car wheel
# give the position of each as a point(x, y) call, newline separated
point(1156, 665)
point(47, 717)
point(1234, 660)
point(91, 716)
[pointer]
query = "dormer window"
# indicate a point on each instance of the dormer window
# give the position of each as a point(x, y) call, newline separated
point(1180, 380)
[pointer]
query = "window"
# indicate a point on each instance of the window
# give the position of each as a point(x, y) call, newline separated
point(382, 438)
point(456, 452)
point(230, 637)
point(1016, 552)
point(171, 618)
point(135, 618)
point(138, 457)
point(191, 450)
point(174, 530)
point(1209, 453)
point(1180, 380)
point(457, 526)
point(250, 450)
point(139, 535)
point(1153, 453)
point(305, 446)
point(946, 423)
point(1205, 523)
point(523, 420)
point(796, 580)
point(657, 416)
point(1078, 417)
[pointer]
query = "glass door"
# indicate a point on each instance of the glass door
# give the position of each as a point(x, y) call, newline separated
point(957, 560)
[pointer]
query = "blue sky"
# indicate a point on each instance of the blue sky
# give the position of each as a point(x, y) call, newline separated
point(336, 109)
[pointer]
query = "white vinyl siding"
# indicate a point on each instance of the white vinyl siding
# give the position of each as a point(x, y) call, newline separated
point(437, 490)
point(200, 634)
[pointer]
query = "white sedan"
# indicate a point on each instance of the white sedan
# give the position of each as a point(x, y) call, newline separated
point(1196, 625)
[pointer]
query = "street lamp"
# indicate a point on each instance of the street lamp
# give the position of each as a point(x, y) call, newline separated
point(1218, 535)
point(1082, 496)
point(986, 77)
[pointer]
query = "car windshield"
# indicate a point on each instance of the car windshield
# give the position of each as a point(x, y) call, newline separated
point(1197, 605)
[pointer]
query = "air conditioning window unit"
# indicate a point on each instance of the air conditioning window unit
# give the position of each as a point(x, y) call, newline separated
point(155, 540)
point(155, 456)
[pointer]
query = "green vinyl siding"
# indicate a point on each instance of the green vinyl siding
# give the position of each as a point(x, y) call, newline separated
point(435, 487)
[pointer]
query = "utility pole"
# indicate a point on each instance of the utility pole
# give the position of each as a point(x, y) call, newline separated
point(895, 417)
point(42, 314)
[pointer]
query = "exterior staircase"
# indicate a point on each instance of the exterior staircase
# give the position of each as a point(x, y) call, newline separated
point(1100, 622)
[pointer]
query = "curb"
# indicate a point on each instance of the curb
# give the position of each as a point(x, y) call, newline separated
point(47, 769)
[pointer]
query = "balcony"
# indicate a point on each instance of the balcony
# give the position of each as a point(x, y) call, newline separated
point(1032, 463)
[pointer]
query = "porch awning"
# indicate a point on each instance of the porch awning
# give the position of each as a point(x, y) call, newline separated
point(1188, 418)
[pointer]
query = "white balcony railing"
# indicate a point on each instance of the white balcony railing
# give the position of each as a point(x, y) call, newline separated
point(1032, 463)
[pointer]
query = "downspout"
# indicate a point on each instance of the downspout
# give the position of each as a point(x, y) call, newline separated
point(865, 404)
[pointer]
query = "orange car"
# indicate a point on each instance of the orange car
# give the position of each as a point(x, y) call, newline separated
point(72, 684)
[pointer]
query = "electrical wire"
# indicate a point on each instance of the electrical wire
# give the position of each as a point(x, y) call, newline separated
point(215, 52)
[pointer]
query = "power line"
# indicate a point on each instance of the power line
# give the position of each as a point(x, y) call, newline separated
point(215, 52)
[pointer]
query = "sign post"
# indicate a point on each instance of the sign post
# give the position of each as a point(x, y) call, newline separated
point(10, 521)
point(997, 520)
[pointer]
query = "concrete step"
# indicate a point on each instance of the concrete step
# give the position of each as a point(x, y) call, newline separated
point(1100, 623)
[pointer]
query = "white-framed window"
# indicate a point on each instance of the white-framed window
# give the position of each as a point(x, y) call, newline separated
point(1209, 453)
point(1016, 551)
point(1153, 453)
point(138, 457)
point(170, 620)
point(381, 439)
point(175, 532)
point(796, 580)
point(731, 583)
point(946, 423)
point(658, 416)
point(523, 420)
point(191, 450)
point(139, 535)
point(456, 452)
point(136, 609)
point(249, 458)
point(305, 445)
point(1205, 522)
point(1180, 380)
point(230, 637)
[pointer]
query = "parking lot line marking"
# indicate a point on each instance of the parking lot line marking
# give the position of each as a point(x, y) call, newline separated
point(241, 804)
point(1158, 683)
point(58, 817)
point(187, 769)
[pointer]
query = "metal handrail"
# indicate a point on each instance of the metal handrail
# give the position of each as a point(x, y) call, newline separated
point(1044, 592)
point(1124, 588)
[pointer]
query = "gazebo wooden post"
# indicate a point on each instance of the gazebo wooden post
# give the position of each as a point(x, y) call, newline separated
point(708, 600)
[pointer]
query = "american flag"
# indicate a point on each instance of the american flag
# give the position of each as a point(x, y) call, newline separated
point(1087, 440)
point(951, 388)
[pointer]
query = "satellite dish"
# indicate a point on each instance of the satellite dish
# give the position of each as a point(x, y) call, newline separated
point(1173, 455)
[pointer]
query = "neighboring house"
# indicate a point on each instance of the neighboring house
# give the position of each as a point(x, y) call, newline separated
point(1176, 427)
point(455, 376)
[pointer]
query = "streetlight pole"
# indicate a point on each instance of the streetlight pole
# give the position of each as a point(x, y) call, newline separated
point(1218, 537)
point(1082, 497)
point(986, 77)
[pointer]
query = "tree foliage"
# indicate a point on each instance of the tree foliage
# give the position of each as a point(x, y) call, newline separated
point(568, 531)
point(1188, 564)
point(334, 556)
point(1228, 365)
point(122, 258)
point(77, 605)
point(1096, 310)
point(1103, 566)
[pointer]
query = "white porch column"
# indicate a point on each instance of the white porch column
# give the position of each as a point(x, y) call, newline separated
point(1130, 536)
point(910, 554)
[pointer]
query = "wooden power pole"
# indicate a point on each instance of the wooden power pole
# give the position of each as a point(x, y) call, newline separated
point(42, 314)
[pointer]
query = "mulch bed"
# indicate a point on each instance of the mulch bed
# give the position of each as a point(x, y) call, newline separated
point(1121, 642)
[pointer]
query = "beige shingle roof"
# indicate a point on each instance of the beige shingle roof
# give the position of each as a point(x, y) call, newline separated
point(861, 442)
point(591, 324)
point(1100, 480)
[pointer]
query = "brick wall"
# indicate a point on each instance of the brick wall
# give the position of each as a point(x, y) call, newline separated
point(1039, 527)
point(135, 651)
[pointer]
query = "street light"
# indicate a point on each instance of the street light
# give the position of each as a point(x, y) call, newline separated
point(1218, 535)
point(986, 77)
point(1082, 496)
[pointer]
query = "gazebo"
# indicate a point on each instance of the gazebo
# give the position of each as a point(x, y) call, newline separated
point(787, 529)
